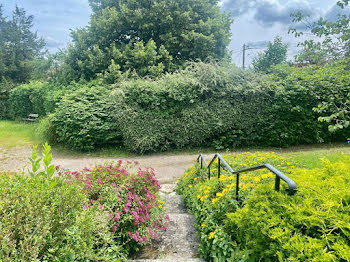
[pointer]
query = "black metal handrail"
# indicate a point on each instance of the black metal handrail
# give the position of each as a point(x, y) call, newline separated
point(292, 186)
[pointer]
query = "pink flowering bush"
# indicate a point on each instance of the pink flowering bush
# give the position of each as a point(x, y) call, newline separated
point(128, 195)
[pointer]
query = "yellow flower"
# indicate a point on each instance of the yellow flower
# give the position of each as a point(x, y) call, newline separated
point(211, 235)
point(219, 194)
point(204, 225)
point(198, 196)
point(214, 201)
point(190, 186)
point(257, 179)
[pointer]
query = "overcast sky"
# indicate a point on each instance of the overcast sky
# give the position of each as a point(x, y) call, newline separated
point(255, 21)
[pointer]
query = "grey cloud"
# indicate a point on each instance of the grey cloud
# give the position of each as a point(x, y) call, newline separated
point(268, 13)
point(257, 44)
point(238, 7)
point(51, 42)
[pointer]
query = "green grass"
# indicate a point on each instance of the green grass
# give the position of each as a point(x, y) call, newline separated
point(17, 134)
point(311, 157)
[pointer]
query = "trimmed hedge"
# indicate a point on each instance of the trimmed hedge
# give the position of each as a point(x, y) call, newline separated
point(84, 119)
point(201, 105)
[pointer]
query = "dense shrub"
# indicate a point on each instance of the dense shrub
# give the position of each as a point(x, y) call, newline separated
point(42, 219)
point(266, 225)
point(205, 104)
point(129, 195)
point(26, 99)
point(188, 108)
point(84, 120)
point(98, 214)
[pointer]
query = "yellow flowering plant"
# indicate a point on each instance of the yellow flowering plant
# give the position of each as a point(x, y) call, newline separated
point(265, 225)
point(210, 200)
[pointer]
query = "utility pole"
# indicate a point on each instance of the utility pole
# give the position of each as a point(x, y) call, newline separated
point(245, 48)
point(243, 63)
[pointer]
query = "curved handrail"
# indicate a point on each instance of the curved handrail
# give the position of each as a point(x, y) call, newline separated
point(292, 186)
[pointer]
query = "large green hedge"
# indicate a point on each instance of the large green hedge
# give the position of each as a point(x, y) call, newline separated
point(205, 104)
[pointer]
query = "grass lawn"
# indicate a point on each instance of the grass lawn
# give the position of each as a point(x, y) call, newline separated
point(310, 156)
point(17, 134)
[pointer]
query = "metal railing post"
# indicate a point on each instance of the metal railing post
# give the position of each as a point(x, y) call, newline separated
point(277, 183)
point(219, 162)
point(237, 186)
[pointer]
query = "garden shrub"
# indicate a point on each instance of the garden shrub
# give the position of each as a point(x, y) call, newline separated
point(204, 104)
point(100, 214)
point(5, 88)
point(129, 195)
point(26, 99)
point(265, 225)
point(84, 120)
point(187, 108)
point(42, 219)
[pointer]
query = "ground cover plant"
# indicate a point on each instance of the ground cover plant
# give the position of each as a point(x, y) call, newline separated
point(265, 225)
point(99, 214)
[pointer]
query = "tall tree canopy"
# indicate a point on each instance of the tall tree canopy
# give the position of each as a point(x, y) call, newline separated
point(148, 36)
point(19, 46)
point(276, 53)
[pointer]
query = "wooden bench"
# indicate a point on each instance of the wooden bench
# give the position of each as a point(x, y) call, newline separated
point(31, 118)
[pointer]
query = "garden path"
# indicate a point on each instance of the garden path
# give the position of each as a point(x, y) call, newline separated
point(179, 243)
point(168, 168)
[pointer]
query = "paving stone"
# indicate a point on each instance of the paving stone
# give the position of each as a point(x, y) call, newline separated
point(179, 242)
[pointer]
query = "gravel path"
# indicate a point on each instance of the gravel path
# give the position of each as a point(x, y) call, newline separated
point(168, 168)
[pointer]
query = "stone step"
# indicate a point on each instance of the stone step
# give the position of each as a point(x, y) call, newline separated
point(173, 203)
point(179, 242)
point(168, 188)
point(171, 259)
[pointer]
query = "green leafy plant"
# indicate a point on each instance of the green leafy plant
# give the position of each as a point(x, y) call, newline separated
point(49, 170)
point(42, 218)
point(266, 225)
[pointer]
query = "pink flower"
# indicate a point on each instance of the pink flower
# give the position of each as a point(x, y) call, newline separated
point(114, 229)
point(99, 180)
point(85, 207)
point(100, 206)
point(129, 234)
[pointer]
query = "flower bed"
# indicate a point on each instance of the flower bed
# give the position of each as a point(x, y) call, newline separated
point(100, 214)
point(266, 225)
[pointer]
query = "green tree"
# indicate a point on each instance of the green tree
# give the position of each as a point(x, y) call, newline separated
point(334, 38)
point(276, 53)
point(19, 45)
point(148, 36)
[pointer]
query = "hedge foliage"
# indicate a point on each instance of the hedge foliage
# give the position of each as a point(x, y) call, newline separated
point(265, 225)
point(205, 104)
point(83, 119)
